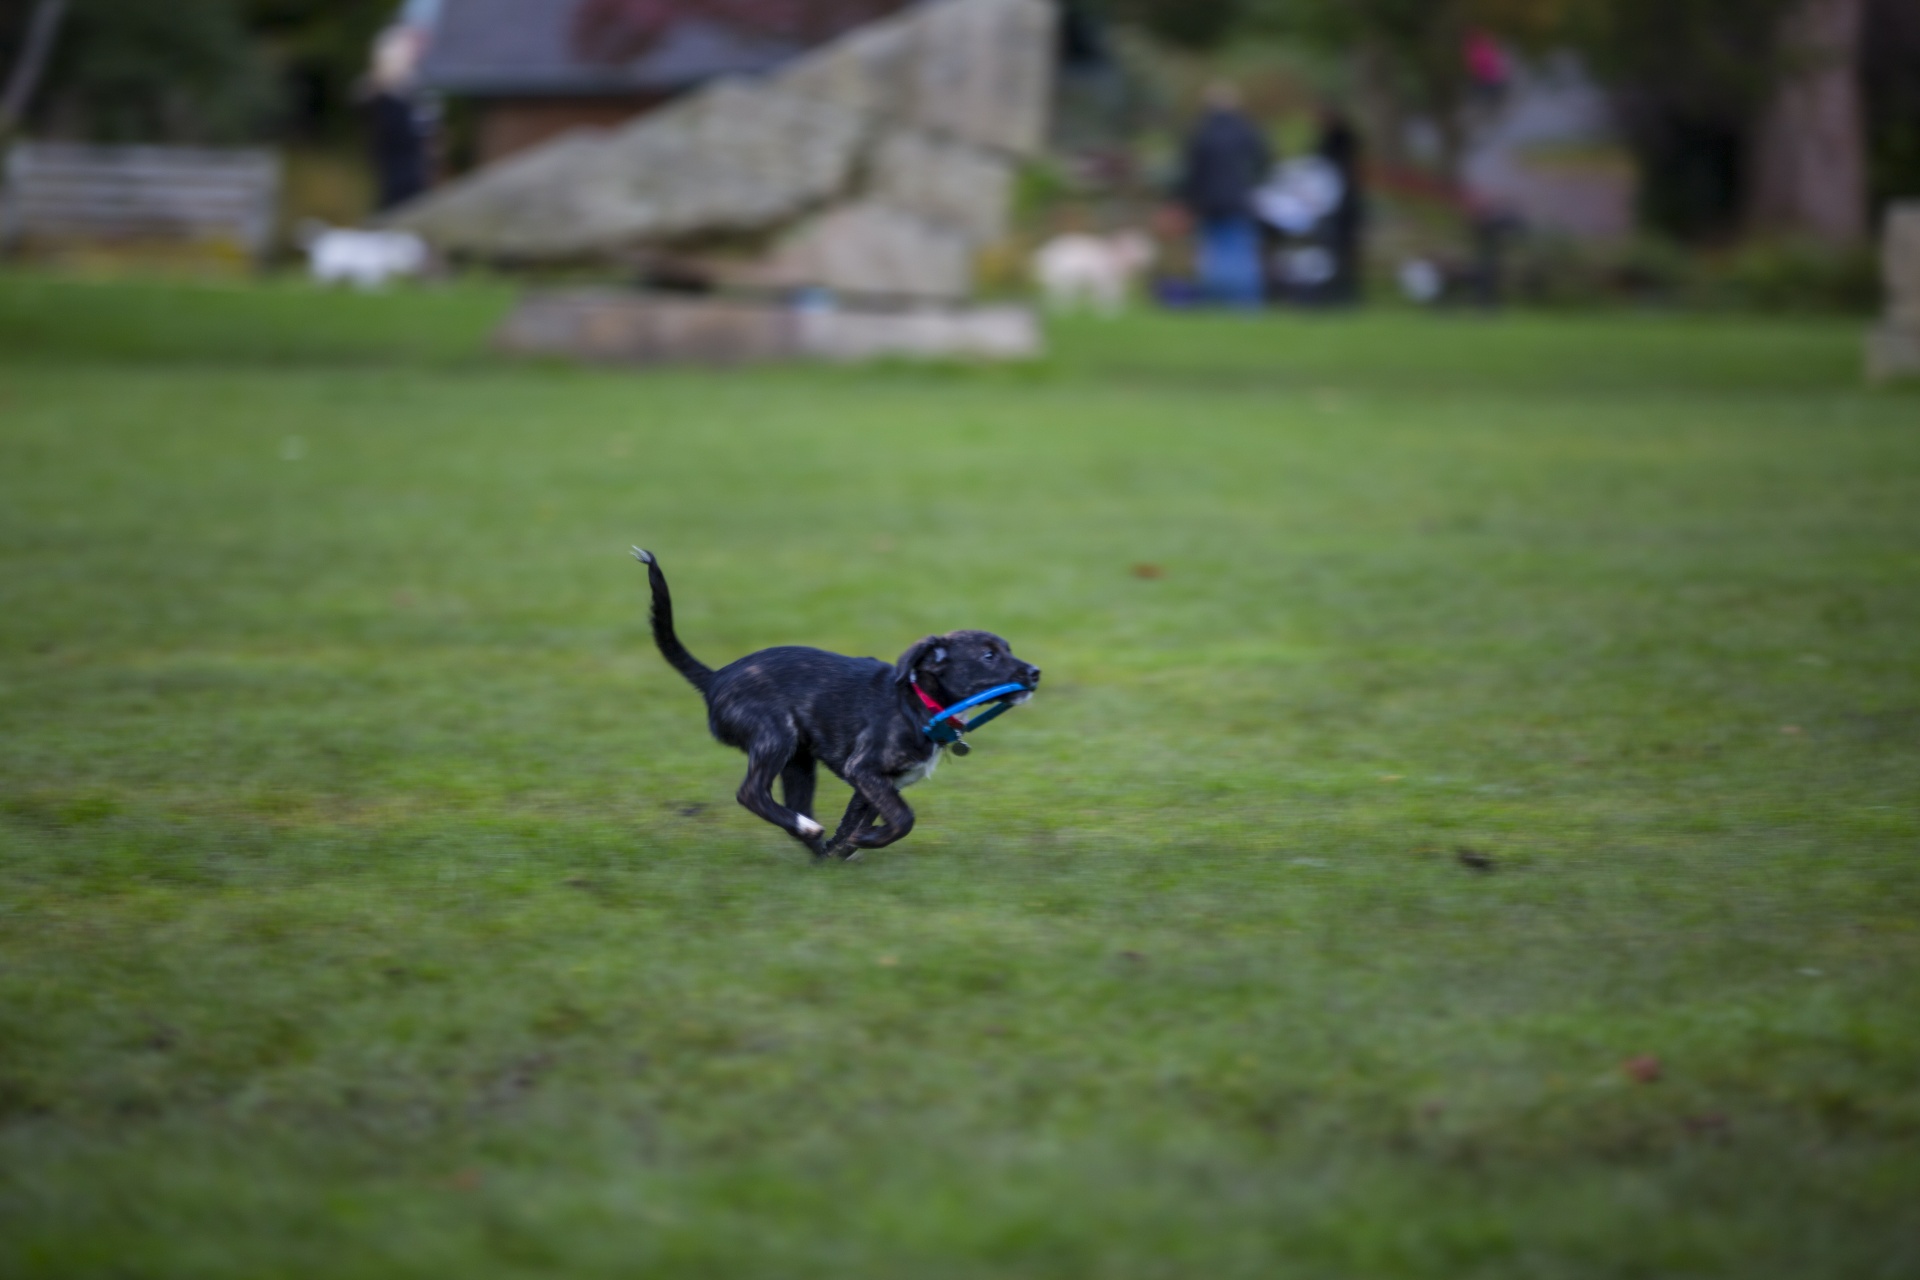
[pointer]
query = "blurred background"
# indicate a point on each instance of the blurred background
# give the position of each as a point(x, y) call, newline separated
point(1557, 152)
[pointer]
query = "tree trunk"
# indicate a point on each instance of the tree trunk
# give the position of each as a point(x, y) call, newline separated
point(1809, 161)
point(27, 68)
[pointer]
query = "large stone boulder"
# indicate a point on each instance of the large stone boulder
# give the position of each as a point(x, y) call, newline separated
point(863, 248)
point(734, 158)
point(879, 163)
point(977, 71)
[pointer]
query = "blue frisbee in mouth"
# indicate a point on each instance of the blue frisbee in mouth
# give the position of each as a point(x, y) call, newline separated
point(1003, 695)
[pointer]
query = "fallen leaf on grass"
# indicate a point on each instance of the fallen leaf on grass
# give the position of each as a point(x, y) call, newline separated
point(1642, 1068)
point(1148, 571)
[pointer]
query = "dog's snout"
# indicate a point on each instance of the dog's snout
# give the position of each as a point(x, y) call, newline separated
point(1033, 675)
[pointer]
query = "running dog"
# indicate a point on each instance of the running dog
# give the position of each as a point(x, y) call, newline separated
point(790, 708)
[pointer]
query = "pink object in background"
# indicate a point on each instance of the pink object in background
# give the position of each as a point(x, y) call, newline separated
point(1486, 61)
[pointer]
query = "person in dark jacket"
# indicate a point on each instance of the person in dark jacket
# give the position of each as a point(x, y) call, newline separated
point(1226, 158)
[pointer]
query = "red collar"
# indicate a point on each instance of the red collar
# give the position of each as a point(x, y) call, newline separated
point(935, 707)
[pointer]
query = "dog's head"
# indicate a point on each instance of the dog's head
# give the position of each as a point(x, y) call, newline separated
point(959, 664)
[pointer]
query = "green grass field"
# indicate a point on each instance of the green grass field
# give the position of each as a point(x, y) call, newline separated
point(375, 904)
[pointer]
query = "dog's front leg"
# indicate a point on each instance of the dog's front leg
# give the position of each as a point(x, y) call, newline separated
point(859, 817)
point(873, 793)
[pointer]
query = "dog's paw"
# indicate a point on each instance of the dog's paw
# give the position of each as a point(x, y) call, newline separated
point(808, 827)
point(644, 557)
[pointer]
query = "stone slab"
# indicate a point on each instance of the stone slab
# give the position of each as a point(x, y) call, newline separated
point(1893, 348)
point(1893, 352)
point(1900, 263)
point(925, 333)
point(613, 326)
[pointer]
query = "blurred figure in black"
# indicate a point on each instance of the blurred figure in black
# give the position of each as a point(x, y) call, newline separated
point(1339, 146)
point(1494, 230)
point(396, 135)
point(1226, 158)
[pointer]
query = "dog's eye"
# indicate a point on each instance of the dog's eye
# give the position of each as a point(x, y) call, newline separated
point(989, 656)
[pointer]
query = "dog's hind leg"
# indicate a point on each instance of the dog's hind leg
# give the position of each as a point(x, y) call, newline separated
point(797, 782)
point(796, 788)
point(768, 759)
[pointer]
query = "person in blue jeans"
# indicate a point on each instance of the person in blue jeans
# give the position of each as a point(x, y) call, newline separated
point(1226, 158)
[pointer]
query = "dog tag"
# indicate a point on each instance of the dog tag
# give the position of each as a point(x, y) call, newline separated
point(961, 748)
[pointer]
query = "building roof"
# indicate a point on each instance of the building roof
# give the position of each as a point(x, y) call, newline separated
point(535, 48)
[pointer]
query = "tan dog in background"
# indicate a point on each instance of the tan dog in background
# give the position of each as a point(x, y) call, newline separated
point(1097, 272)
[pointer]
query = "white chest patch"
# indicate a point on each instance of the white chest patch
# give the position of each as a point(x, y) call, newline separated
point(920, 771)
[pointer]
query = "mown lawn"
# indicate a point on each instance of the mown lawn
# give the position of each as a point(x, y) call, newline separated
point(373, 903)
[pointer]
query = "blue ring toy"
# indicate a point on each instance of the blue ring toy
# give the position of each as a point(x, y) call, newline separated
point(946, 733)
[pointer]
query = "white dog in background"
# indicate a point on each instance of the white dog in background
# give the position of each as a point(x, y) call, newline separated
point(364, 259)
point(1078, 269)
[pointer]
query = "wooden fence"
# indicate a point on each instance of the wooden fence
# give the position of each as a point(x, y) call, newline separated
point(58, 192)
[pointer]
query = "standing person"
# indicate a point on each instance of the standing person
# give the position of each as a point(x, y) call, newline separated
point(1339, 146)
point(1226, 158)
point(398, 139)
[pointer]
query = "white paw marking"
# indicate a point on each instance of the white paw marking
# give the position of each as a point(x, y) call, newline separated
point(808, 827)
point(644, 557)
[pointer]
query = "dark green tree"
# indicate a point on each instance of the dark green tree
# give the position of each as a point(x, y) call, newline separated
point(200, 70)
point(1890, 74)
point(1184, 24)
point(1691, 78)
point(155, 70)
point(317, 51)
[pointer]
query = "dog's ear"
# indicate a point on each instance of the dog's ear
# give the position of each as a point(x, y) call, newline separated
point(929, 651)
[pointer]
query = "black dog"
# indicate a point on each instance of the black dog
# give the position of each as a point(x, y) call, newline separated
point(789, 708)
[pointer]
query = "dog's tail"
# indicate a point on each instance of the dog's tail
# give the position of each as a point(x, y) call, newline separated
point(697, 673)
